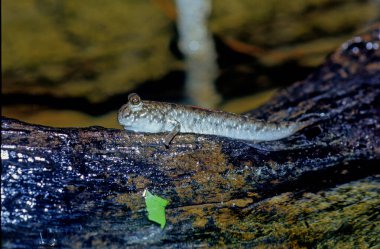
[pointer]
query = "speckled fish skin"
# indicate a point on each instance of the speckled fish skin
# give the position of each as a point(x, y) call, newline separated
point(155, 117)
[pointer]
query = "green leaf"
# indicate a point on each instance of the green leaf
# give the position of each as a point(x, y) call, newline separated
point(155, 206)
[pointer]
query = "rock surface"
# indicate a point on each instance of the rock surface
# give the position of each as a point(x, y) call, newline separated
point(81, 188)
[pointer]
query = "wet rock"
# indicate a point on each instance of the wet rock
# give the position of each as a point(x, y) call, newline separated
point(82, 188)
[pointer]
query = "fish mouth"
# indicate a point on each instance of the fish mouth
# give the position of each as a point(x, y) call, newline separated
point(129, 128)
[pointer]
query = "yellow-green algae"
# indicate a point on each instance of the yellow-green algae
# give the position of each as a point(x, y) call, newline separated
point(340, 217)
point(97, 49)
point(117, 43)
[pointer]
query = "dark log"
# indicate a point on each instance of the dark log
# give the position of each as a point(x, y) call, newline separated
point(82, 187)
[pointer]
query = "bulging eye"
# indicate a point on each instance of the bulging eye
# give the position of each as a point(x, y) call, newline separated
point(134, 99)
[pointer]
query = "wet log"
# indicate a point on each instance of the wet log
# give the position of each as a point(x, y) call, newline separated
point(82, 187)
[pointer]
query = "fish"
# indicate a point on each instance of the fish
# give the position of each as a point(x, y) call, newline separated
point(160, 117)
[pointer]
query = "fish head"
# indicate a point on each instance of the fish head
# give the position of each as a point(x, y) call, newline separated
point(140, 116)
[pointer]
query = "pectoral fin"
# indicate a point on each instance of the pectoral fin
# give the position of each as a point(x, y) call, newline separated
point(176, 126)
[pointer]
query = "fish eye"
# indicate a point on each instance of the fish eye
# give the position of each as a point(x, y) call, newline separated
point(134, 99)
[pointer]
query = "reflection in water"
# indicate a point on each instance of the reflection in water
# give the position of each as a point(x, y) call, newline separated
point(198, 47)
